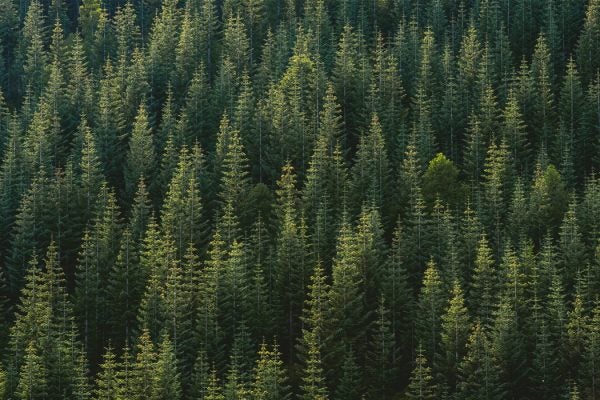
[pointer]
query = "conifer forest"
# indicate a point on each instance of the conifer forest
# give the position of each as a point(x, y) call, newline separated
point(299, 199)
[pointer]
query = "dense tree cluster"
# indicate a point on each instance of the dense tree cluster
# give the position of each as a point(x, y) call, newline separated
point(312, 199)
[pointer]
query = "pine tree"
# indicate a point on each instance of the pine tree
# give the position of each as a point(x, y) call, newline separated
point(196, 114)
point(323, 183)
point(270, 381)
point(469, 59)
point(162, 43)
point(188, 53)
point(213, 390)
point(423, 101)
point(346, 78)
point(372, 252)
point(107, 382)
point(370, 174)
point(12, 181)
point(484, 286)
point(291, 258)
point(28, 233)
point(571, 99)
point(44, 321)
point(381, 357)
point(90, 171)
point(496, 186)
point(347, 314)
point(456, 329)
point(235, 46)
point(421, 385)
point(231, 167)
point(99, 250)
point(589, 39)
point(208, 325)
point(431, 305)
point(572, 249)
point(33, 376)
point(514, 134)
point(182, 214)
point(316, 19)
point(109, 124)
point(386, 96)
point(167, 385)
point(140, 158)
point(143, 374)
point(209, 28)
point(543, 118)
point(479, 375)
point(234, 290)
point(81, 387)
point(351, 383)
point(592, 354)
point(474, 152)
point(395, 288)
point(508, 347)
point(125, 289)
point(33, 48)
point(576, 325)
point(313, 382)
point(137, 89)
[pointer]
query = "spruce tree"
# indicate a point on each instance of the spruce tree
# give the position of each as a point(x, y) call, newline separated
point(140, 158)
point(167, 385)
point(431, 303)
point(107, 382)
point(485, 281)
point(479, 374)
point(270, 381)
point(370, 174)
point(456, 328)
point(421, 385)
point(33, 376)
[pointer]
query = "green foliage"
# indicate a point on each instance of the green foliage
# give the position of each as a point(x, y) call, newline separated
point(270, 380)
point(421, 384)
point(441, 181)
point(366, 183)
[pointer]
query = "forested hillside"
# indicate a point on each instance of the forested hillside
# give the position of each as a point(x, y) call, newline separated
point(299, 199)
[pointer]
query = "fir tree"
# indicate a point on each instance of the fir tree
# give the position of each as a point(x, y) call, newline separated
point(455, 333)
point(421, 385)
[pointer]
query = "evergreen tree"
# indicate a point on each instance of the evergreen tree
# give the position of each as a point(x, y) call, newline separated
point(107, 382)
point(313, 385)
point(33, 50)
point(591, 355)
point(479, 375)
point(33, 376)
point(381, 357)
point(431, 303)
point(370, 174)
point(182, 214)
point(346, 78)
point(167, 385)
point(588, 40)
point(421, 385)
point(347, 314)
point(291, 258)
point(484, 287)
point(455, 333)
point(213, 390)
point(162, 44)
point(125, 290)
point(351, 383)
point(270, 381)
point(140, 158)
